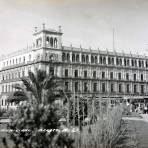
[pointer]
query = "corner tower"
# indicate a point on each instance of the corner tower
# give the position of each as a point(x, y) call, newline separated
point(48, 38)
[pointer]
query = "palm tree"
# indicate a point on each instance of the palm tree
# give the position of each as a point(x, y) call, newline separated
point(41, 87)
point(40, 92)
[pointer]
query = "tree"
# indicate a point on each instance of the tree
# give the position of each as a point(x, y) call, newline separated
point(36, 122)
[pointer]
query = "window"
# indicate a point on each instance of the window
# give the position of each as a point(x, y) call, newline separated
point(135, 88)
point(128, 63)
point(92, 59)
point(112, 87)
point(87, 59)
point(68, 57)
point(85, 87)
point(141, 77)
point(52, 71)
point(2, 102)
point(127, 76)
point(77, 58)
point(66, 86)
point(101, 60)
point(109, 60)
point(85, 74)
point(119, 76)
point(66, 72)
point(134, 77)
point(103, 87)
point(117, 61)
point(94, 74)
point(111, 75)
point(127, 88)
point(120, 61)
point(73, 57)
point(55, 42)
point(112, 61)
point(103, 75)
point(142, 89)
point(96, 59)
point(132, 62)
point(125, 62)
point(76, 73)
point(104, 60)
point(47, 40)
point(63, 57)
point(139, 63)
point(51, 42)
point(94, 87)
point(83, 58)
point(120, 88)
point(76, 86)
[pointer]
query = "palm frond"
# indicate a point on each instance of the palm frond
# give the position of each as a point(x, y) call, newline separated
point(40, 76)
point(17, 86)
point(32, 77)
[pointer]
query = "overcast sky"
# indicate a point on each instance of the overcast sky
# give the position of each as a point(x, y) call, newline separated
point(86, 22)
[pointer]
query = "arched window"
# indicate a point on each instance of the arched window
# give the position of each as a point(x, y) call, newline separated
point(47, 40)
point(96, 59)
point(142, 63)
point(77, 58)
point(87, 59)
point(51, 42)
point(139, 63)
point(146, 63)
point(2, 102)
point(63, 57)
point(55, 42)
point(68, 57)
point(104, 60)
point(136, 63)
point(125, 62)
point(109, 60)
point(132, 62)
point(101, 60)
point(112, 61)
point(83, 58)
point(120, 62)
point(92, 59)
point(73, 57)
point(117, 61)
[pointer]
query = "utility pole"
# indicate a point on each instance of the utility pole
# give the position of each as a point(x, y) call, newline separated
point(113, 38)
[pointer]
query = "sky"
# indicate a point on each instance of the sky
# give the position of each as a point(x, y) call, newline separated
point(88, 23)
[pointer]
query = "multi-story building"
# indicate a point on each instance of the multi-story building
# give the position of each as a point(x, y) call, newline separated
point(84, 72)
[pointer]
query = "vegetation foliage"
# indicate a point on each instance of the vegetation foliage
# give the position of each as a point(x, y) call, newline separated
point(39, 113)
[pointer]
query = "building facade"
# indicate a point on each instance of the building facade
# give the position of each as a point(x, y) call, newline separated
point(85, 72)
